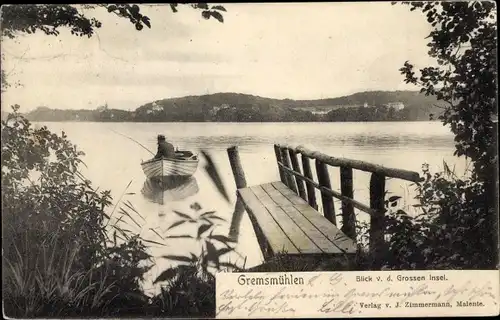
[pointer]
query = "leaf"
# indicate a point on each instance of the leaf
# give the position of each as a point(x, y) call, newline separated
point(146, 21)
point(143, 255)
point(134, 9)
point(208, 221)
point(223, 251)
point(111, 8)
point(183, 215)
point(200, 5)
point(154, 242)
point(216, 218)
point(213, 173)
point(131, 206)
point(205, 14)
point(184, 236)
point(217, 15)
point(156, 233)
point(177, 258)
point(207, 213)
point(128, 215)
point(203, 228)
point(394, 198)
point(212, 253)
point(194, 257)
point(176, 224)
point(220, 8)
point(168, 274)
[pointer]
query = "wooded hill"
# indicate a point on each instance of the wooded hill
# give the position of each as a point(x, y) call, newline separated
point(237, 107)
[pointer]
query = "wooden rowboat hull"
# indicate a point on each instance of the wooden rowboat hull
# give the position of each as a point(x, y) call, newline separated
point(160, 168)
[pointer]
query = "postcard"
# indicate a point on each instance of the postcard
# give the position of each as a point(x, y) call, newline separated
point(250, 160)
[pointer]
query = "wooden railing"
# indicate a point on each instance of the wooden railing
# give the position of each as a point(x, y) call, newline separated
point(303, 183)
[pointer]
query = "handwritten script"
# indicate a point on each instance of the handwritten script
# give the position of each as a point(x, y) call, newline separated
point(357, 294)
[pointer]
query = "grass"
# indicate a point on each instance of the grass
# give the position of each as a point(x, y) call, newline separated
point(51, 280)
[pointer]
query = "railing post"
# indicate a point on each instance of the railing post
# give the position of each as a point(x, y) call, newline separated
point(296, 168)
point(289, 178)
point(238, 173)
point(324, 181)
point(348, 217)
point(279, 159)
point(377, 197)
point(311, 192)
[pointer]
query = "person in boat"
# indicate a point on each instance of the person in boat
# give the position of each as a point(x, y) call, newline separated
point(165, 149)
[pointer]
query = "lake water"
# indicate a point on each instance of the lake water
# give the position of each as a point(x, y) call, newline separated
point(113, 163)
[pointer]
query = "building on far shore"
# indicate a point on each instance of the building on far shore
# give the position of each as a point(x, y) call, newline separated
point(396, 105)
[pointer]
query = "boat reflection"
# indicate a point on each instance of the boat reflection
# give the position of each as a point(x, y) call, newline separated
point(169, 189)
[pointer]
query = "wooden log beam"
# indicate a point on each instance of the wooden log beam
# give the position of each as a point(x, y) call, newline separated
point(277, 152)
point(348, 217)
point(311, 192)
point(357, 164)
point(236, 167)
point(324, 181)
point(335, 194)
point(296, 168)
point(286, 162)
point(377, 197)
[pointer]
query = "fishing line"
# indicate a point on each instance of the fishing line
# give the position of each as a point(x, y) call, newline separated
point(133, 140)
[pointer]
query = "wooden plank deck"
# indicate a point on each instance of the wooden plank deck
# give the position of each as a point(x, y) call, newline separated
point(286, 223)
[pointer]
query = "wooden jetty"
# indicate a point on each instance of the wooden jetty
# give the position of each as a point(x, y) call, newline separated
point(285, 213)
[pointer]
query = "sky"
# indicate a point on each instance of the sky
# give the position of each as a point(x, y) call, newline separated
point(293, 50)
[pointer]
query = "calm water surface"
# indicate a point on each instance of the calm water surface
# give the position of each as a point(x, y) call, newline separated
point(113, 162)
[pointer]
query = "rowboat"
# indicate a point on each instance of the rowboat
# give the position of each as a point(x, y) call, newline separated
point(184, 164)
point(169, 189)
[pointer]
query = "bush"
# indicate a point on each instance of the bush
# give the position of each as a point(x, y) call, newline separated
point(453, 227)
point(57, 251)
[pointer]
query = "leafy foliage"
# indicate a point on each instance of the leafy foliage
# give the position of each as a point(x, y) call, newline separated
point(211, 251)
point(447, 232)
point(56, 241)
point(464, 44)
point(460, 217)
point(49, 18)
point(187, 293)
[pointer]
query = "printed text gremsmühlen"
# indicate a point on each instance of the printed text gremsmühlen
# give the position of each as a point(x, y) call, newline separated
point(283, 280)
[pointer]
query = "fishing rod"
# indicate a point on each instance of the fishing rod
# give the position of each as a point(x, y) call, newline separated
point(133, 140)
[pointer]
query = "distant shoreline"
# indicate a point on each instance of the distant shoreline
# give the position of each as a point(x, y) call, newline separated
point(370, 106)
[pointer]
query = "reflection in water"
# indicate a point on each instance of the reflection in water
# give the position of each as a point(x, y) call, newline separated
point(234, 229)
point(169, 189)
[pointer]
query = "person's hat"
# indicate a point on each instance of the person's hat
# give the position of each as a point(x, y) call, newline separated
point(161, 137)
